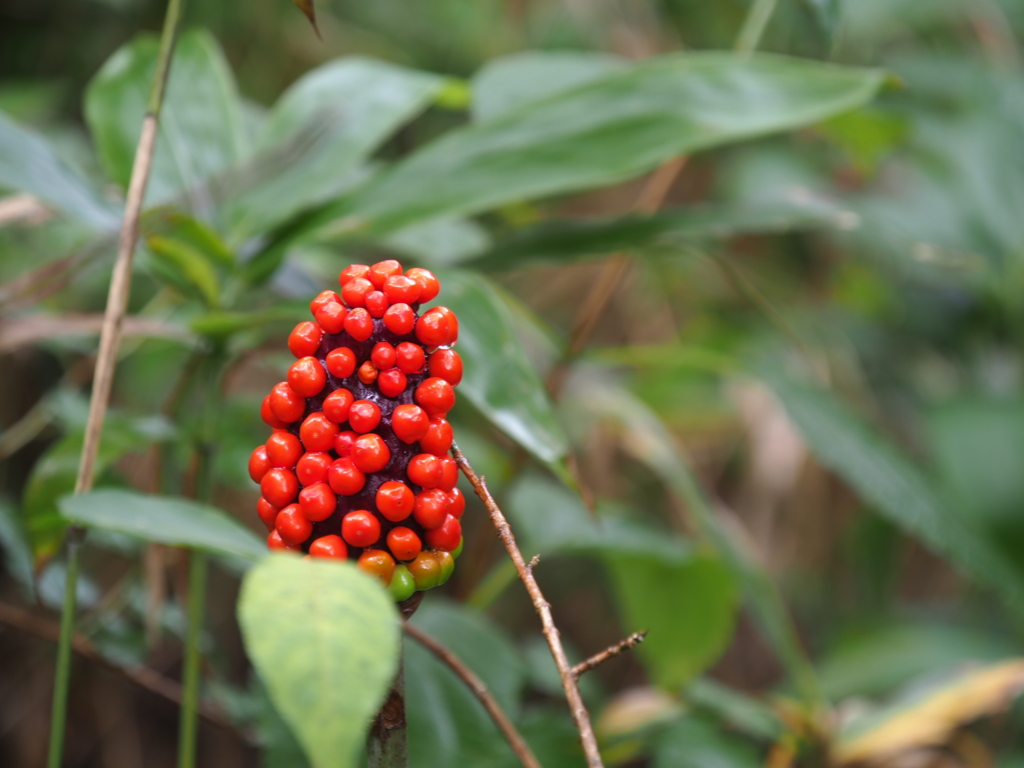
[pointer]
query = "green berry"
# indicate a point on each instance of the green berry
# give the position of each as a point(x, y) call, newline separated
point(402, 584)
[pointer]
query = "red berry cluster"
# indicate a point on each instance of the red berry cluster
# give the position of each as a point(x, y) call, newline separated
point(357, 466)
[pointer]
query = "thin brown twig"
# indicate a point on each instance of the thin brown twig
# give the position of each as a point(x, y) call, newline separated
point(609, 653)
point(543, 608)
point(648, 202)
point(480, 690)
point(28, 622)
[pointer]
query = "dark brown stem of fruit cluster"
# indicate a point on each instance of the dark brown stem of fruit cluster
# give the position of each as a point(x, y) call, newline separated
point(543, 608)
point(480, 690)
point(387, 744)
point(649, 201)
point(610, 652)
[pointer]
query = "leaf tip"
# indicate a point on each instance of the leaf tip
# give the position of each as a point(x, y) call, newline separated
point(307, 7)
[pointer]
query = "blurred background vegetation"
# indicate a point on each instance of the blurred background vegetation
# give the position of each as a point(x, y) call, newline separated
point(843, 378)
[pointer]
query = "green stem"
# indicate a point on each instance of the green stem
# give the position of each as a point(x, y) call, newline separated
point(58, 717)
point(754, 25)
point(190, 685)
point(387, 744)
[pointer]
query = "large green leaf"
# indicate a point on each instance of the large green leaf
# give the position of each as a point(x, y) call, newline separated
point(29, 164)
point(201, 125)
point(320, 129)
point(498, 379)
point(697, 743)
point(324, 638)
point(606, 131)
point(506, 84)
point(689, 610)
point(165, 520)
point(890, 483)
point(447, 724)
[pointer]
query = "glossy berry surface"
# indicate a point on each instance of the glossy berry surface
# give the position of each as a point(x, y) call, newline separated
point(357, 465)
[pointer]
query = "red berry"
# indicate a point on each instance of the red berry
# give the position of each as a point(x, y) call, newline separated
point(363, 416)
point(267, 512)
point(345, 478)
point(436, 396)
point(318, 502)
point(354, 292)
point(447, 537)
point(449, 474)
point(433, 329)
point(425, 470)
point(312, 468)
point(400, 319)
point(304, 340)
point(458, 503)
point(293, 526)
point(279, 487)
point(404, 543)
point(360, 528)
point(430, 286)
point(382, 270)
point(402, 290)
point(425, 570)
point(317, 433)
point(409, 357)
point(392, 382)
point(370, 453)
point(341, 362)
point(431, 509)
point(439, 437)
point(331, 317)
point(275, 542)
point(287, 404)
point(379, 563)
point(410, 423)
point(368, 373)
point(267, 414)
point(259, 464)
point(446, 364)
point(343, 443)
point(283, 450)
point(323, 299)
point(351, 272)
point(307, 377)
point(453, 323)
point(395, 500)
point(376, 304)
point(337, 404)
point(359, 324)
point(331, 547)
point(383, 356)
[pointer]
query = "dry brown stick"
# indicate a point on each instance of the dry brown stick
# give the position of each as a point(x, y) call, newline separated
point(480, 690)
point(648, 202)
point(551, 634)
point(609, 653)
point(26, 621)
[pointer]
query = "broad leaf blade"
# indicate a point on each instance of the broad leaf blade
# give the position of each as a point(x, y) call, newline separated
point(29, 164)
point(201, 125)
point(324, 637)
point(498, 379)
point(165, 520)
point(606, 131)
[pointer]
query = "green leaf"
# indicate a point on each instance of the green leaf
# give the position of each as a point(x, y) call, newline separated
point(689, 610)
point(569, 239)
point(603, 132)
point(447, 724)
point(498, 379)
point(508, 83)
point(15, 546)
point(319, 131)
point(890, 483)
point(185, 267)
point(440, 242)
point(324, 638)
point(738, 710)
point(164, 519)
point(696, 743)
point(29, 164)
point(201, 125)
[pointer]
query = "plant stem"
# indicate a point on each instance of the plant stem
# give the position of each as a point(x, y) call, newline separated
point(387, 744)
point(110, 339)
point(190, 684)
point(754, 25)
